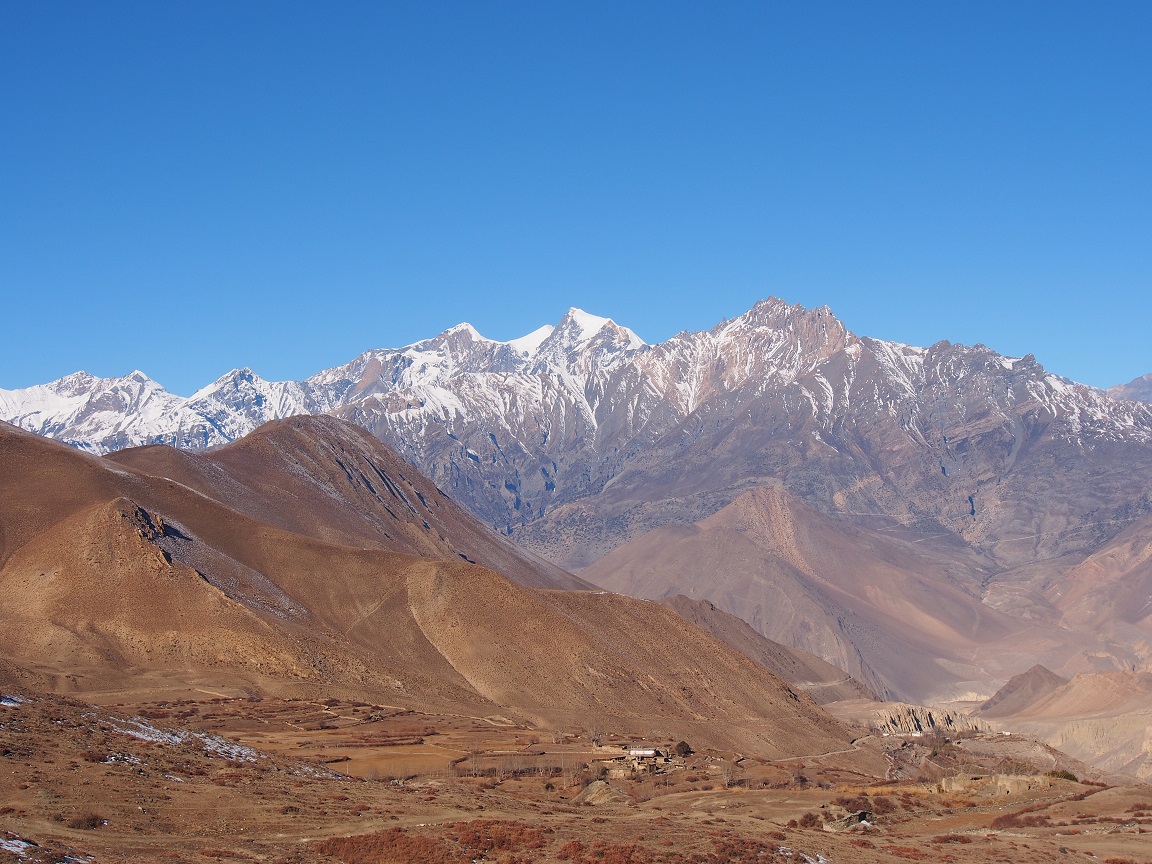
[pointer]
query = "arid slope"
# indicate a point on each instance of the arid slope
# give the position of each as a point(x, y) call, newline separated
point(117, 579)
point(904, 618)
point(1103, 718)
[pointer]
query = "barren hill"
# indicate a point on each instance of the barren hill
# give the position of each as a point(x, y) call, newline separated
point(332, 481)
point(1021, 691)
point(819, 679)
point(118, 579)
point(1103, 718)
point(903, 617)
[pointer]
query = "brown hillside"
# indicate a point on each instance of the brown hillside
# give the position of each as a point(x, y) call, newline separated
point(878, 604)
point(1110, 591)
point(327, 479)
point(1103, 718)
point(1021, 691)
point(117, 580)
point(819, 679)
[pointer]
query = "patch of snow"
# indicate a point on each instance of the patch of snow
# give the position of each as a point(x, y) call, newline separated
point(19, 848)
point(125, 758)
point(210, 743)
point(318, 773)
point(12, 701)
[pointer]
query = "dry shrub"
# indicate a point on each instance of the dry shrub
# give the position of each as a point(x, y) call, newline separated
point(86, 821)
point(740, 850)
point(391, 847)
point(809, 820)
point(909, 802)
point(604, 853)
point(882, 804)
point(909, 852)
point(951, 838)
point(1020, 820)
point(491, 835)
point(571, 851)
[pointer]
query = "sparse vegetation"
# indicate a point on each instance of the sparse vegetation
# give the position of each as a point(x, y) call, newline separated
point(395, 846)
point(952, 838)
point(87, 821)
point(525, 822)
point(810, 820)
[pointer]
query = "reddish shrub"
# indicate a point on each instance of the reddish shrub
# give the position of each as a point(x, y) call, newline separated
point(951, 838)
point(86, 821)
point(1019, 819)
point(488, 835)
point(809, 820)
point(571, 850)
point(882, 804)
point(391, 847)
point(908, 852)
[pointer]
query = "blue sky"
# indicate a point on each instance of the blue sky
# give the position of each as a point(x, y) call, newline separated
point(187, 188)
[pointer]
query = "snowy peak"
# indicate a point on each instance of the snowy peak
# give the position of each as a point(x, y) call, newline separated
point(584, 324)
point(528, 345)
point(88, 411)
point(237, 379)
point(584, 327)
point(462, 348)
point(581, 341)
point(811, 330)
point(577, 328)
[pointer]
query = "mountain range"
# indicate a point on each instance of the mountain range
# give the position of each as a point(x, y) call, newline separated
point(939, 501)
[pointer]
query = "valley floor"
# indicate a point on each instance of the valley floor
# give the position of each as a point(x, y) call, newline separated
point(212, 777)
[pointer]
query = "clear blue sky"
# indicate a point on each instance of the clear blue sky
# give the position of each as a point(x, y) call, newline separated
point(190, 187)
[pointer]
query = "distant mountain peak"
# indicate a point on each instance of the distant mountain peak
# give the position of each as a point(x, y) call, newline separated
point(580, 327)
point(1136, 390)
point(528, 343)
point(465, 327)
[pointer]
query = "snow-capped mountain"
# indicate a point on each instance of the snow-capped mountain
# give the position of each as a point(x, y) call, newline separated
point(528, 433)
